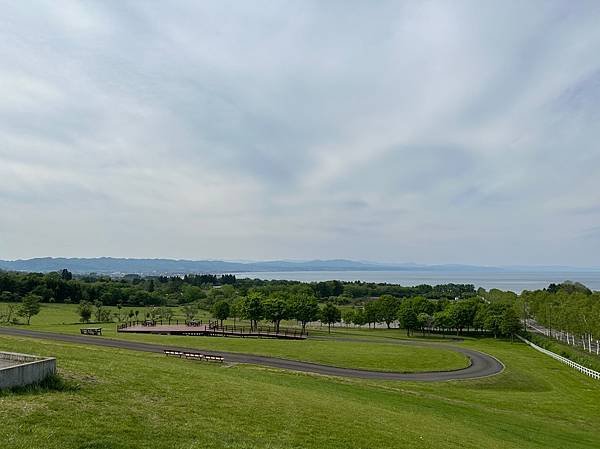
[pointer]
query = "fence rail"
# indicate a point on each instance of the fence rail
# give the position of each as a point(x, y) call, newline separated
point(572, 364)
point(258, 331)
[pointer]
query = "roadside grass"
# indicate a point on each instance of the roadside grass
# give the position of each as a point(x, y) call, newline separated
point(131, 399)
point(574, 353)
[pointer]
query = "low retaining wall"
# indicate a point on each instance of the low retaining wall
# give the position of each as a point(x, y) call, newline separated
point(25, 369)
point(560, 358)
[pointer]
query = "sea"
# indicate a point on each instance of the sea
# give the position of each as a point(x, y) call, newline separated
point(515, 281)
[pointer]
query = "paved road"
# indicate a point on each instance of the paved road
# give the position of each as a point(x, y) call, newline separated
point(481, 364)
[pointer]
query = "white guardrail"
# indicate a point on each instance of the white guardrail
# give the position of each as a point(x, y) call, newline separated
point(572, 364)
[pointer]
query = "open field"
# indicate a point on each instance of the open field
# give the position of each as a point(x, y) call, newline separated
point(132, 399)
point(379, 354)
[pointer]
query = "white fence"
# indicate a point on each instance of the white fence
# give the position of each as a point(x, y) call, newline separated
point(572, 364)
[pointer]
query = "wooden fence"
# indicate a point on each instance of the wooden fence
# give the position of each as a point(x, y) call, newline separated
point(572, 364)
point(267, 331)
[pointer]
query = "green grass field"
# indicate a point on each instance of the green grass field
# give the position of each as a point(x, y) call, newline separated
point(375, 355)
point(124, 399)
point(129, 399)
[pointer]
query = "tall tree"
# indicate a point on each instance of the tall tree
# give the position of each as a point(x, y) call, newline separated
point(372, 313)
point(85, 310)
point(166, 313)
point(252, 308)
point(493, 317)
point(349, 316)
point(330, 314)
point(221, 310)
point(276, 309)
point(305, 309)
point(407, 317)
point(388, 309)
point(189, 310)
point(30, 306)
point(425, 321)
point(510, 323)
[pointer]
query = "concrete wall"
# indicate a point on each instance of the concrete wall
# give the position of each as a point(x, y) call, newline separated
point(27, 369)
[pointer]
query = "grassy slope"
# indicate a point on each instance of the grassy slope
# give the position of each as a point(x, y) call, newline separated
point(575, 353)
point(141, 400)
point(377, 356)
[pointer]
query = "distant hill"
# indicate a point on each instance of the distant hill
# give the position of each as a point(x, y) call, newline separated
point(119, 266)
point(116, 266)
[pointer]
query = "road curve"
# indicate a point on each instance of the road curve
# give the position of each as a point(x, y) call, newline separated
point(482, 365)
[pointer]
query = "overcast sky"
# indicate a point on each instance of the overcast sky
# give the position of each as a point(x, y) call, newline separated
point(433, 132)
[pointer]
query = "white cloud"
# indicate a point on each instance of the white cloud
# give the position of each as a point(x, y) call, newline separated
point(424, 131)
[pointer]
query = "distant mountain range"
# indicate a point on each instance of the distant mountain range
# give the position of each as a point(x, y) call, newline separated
point(120, 266)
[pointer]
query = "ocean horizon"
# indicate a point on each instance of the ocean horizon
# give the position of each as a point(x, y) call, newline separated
point(515, 281)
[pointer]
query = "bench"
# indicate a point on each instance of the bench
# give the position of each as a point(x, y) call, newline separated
point(91, 331)
point(194, 355)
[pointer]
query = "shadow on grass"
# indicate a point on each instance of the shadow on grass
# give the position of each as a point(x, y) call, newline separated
point(53, 383)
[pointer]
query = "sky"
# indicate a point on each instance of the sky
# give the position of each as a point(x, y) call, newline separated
point(423, 131)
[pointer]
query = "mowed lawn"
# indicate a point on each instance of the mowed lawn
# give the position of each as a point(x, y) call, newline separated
point(128, 399)
point(380, 355)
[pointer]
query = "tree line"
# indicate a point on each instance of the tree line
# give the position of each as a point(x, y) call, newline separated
point(569, 308)
point(134, 290)
point(499, 318)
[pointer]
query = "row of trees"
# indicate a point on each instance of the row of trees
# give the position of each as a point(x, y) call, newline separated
point(29, 307)
point(498, 317)
point(256, 306)
point(569, 308)
point(207, 289)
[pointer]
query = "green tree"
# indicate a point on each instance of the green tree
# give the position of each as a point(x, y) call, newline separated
point(252, 308)
point(189, 311)
point(425, 321)
point(441, 320)
point(493, 317)
point(372, 313)
point(8, 313)
point(221, 310)
point(330, 314)
point(30, 306)
point(388, 309)
point(276, 309)
point(235, 309)
point(85, 310)
point(98, 312)
point(166, 313)
point(304, 308)
point(510, 323)
point(359, 317)
point(349, 316)
point(407, 317)
point(462, 314)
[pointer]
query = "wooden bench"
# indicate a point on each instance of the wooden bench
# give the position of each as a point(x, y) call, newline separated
point(194, 355)
point(91, 331)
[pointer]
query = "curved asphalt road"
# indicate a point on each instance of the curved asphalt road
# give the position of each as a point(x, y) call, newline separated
point(482, 365)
